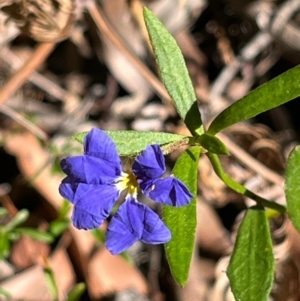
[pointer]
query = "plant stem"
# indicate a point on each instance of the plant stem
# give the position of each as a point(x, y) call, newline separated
point(215, 161)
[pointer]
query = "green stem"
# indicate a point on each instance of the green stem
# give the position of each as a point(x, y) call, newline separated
point(214, 159)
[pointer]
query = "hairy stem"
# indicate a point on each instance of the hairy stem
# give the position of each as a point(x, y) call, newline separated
point(214, 159)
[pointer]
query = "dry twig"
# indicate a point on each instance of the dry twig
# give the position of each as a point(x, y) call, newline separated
point(18, 79)
point(113, 37)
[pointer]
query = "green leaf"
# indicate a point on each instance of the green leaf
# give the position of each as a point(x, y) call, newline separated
point(182, 220)
point(51, 282)
point(19, 219)
point(251, 267)
point(4, 244)
point(57, 227)
point(213, 144)
point(292, 187)
point(3, 211)
point(13, 236)
point(64, 210)
point(35, 234)
point(133, 142)
point(76, 292)
point(99, 235)
point(173, 72)
point(272, 94)
point(5, 294)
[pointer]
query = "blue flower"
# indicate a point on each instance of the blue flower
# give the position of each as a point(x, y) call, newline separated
point(95, 181)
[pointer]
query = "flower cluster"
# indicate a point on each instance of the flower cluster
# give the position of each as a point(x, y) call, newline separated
point(95, 181)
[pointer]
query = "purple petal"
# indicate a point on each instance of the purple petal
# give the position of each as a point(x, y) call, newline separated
point(118, 236)
point(169, 191)
point(67, 189)
point(88, 169)
point(150, 164)
point(155, 231)
point(98, 144)
point(84, 220)
point(97, 200)
point(135, 221)
point(93, 203)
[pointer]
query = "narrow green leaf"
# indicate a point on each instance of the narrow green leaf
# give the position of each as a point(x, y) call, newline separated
point(64, 210)
point(51, 283)
point(99, 236)
point(19, 219)
point(76, 292)
point(292, 187)
point(3, 211)
point(4, 245)
point(5, 294)
point(182, 220)
point(133, 142)
point(13, 236)
point(35, 234)
point(57, 227)
point(251, 267)
point(213, 144)
point(272, 94)
point(173, 72)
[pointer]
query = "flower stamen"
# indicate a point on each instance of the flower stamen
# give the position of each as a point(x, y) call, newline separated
point(128, 181)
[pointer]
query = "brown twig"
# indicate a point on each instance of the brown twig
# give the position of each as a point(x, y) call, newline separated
point(17, 80)
point(6, 201)
point(259, 42)
point(24, 122)
point(113, 37)
point(36, 78)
